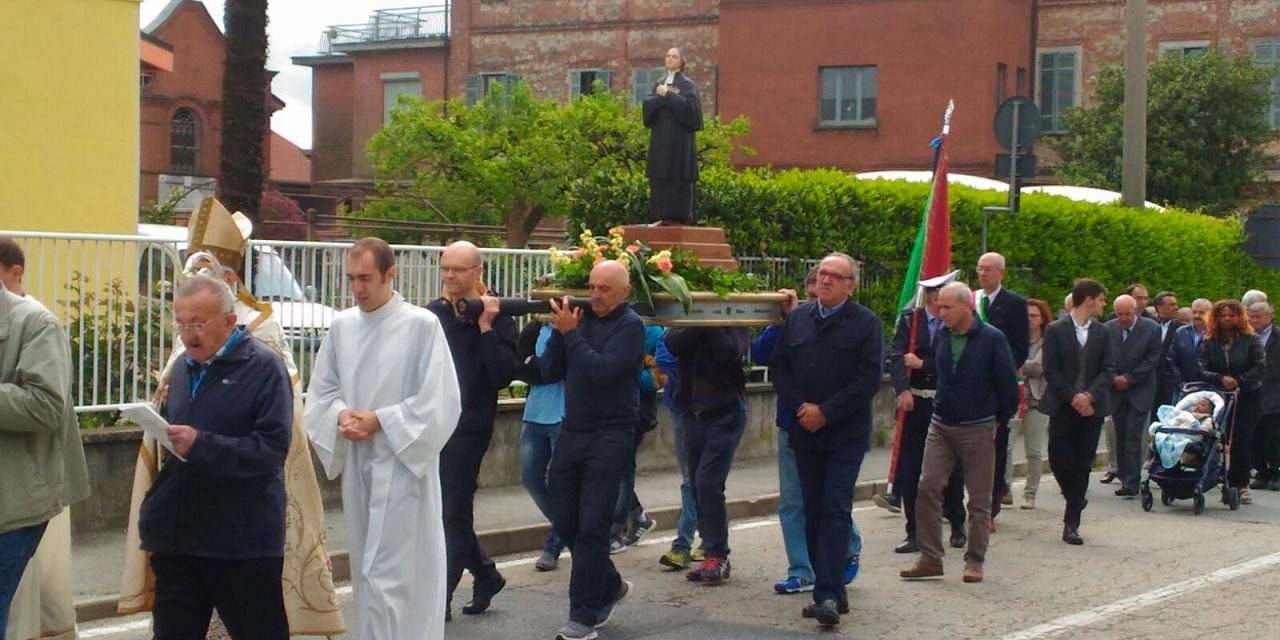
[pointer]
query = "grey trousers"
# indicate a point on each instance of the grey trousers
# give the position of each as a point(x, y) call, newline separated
point(1130, 428)
point(975, 449)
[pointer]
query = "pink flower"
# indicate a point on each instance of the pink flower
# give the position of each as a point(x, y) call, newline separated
point(633, 248)
point(664, 265)
point(579, 253)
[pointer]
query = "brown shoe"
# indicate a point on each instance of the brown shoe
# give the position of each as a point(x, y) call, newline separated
point(972, 572)
point(921, 570)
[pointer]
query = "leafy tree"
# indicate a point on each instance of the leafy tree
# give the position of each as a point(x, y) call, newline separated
point(244, 107)
point(1205, 130)
point(511, 159)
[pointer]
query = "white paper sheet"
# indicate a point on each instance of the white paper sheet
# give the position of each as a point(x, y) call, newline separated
point(142, 414)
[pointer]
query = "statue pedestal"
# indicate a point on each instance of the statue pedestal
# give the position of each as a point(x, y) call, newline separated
point(707, 244)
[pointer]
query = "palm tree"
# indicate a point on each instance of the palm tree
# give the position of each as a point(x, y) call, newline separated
point(244, 106)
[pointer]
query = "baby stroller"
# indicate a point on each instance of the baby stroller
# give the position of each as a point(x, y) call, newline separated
point(1188, 457)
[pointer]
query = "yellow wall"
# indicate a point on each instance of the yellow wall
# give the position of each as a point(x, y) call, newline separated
point(69, 115)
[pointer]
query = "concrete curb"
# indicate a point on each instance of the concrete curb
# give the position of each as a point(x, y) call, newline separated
point(500, 542)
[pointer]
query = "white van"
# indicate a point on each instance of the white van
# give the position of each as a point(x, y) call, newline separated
point(304, 322)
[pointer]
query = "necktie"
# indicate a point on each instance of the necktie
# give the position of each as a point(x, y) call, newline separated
point(1124, 335)
point(933, 329)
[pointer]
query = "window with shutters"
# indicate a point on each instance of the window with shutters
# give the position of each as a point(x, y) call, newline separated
point(1267, 54)
point(184, 143)
point(480, 84)
point(643, 82)
point(1058, 85)
point(395, 85)
point(1193, 49)
point(847, 97)
point(583, 81)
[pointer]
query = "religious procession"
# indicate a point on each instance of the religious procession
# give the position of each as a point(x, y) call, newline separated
point(485, 364)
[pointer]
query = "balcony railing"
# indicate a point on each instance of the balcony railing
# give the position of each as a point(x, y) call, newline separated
point(389, 25)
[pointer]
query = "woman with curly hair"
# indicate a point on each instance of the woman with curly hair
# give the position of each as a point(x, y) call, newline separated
point(1232, 358)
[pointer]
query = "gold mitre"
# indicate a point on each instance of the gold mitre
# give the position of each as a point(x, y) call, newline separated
point(214, 230)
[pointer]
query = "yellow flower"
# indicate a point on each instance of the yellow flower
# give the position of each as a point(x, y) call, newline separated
point(558, 258)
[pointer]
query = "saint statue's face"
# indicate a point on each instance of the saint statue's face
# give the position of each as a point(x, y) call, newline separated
point(674, 61)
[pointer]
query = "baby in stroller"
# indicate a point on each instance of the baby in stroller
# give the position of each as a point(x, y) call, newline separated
point(1196, 410)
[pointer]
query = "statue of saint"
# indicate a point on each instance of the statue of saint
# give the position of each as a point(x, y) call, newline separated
point(673, 113)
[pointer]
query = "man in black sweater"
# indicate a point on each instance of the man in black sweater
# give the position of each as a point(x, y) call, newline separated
point(599, 356)
point(484, 355)
point(826, 369)
point(710, 392)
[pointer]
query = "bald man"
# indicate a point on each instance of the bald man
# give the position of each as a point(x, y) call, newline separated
point(1137, 341)
point(484, 355)
point(1006, 311)
point(598, 354)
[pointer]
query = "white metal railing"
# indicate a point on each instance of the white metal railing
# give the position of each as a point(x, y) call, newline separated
point(113, 295)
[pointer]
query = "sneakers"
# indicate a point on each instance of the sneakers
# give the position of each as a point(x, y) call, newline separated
point(826, 612)
point(811, 610)
point(607, 611)
point(699, 554)
point(972, 572)
point(676, 559)
point(711, 571)
point(921, 570)
point(483, 592)
point(644, 525)
point(851, 570)
point(616, 545)
point(576, 631)
point(1028, 502)
point(891, 502)
point(792, 585)
point(547, 561)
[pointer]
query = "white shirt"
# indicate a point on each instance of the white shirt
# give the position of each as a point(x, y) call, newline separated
point(991, 297)
point(671, 78)
point(1266, 334)
point(1082, 331)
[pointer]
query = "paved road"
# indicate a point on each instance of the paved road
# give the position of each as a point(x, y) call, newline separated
point(1164, 575)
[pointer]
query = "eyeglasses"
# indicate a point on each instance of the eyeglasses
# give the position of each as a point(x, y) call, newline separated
point(190, 327)
point(823, 273)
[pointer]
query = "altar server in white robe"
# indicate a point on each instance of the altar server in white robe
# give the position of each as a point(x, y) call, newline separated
point(382, 403)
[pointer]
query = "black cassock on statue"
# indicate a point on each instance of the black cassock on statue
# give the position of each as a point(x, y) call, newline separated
point(673, 157)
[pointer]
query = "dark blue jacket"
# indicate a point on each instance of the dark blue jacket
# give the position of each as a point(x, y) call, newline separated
point(983, 386)
point(1182, 362)
point(836, 363)
point(710, 366)
point(227, 500)
point(600, 363)
point(485, 364)
point(762, 353)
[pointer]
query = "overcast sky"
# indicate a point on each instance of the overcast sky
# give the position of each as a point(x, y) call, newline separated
point(294, 29)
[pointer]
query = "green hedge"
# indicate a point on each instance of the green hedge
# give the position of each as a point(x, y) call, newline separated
point(1048, 244)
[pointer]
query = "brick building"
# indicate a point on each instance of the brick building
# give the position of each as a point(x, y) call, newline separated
point(181, 109)
point(856, 84)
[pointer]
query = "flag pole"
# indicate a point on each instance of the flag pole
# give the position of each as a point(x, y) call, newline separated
point(919, 298)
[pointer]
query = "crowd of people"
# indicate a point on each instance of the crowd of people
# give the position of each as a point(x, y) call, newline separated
point(226, 524)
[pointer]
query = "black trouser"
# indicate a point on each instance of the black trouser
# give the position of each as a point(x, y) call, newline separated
point(1000, 483)
point(586, 468)
point(1239, 431)
point(1073, 445)
point(1268, 464)
point(628, 506)
point(246, 593)
point(459, 474)
point(827, 478)
point(906, 476)
point(710, 440)
point(1131, 433)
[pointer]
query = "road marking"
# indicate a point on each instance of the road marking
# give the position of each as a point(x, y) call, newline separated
point(514, 562)
point(1098, 614)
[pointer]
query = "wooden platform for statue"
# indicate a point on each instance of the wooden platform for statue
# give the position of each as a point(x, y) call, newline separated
point(708, 244)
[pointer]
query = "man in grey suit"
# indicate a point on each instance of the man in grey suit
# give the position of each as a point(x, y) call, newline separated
point(1079, 364)
point(1137, 341)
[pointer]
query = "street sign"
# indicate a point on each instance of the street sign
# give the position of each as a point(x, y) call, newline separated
point(1026, 165)
point(1026, 114)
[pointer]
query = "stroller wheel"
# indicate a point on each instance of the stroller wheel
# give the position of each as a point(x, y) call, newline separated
point(1148, 500)
point(1197, 503)
point(1166, 498)
point(1233, 498)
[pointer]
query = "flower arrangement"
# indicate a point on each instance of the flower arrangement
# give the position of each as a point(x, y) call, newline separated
point(673, 271)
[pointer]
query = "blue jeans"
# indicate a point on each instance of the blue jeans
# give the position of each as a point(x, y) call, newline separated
point(791, 515)
point(687, 525)
point(827, 479)
point(16, 549)
point(537, 442)
point(709, 445)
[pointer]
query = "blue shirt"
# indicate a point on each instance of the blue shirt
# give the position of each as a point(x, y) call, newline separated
point(545, 404)
point(199, 369)
point(824, 312)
